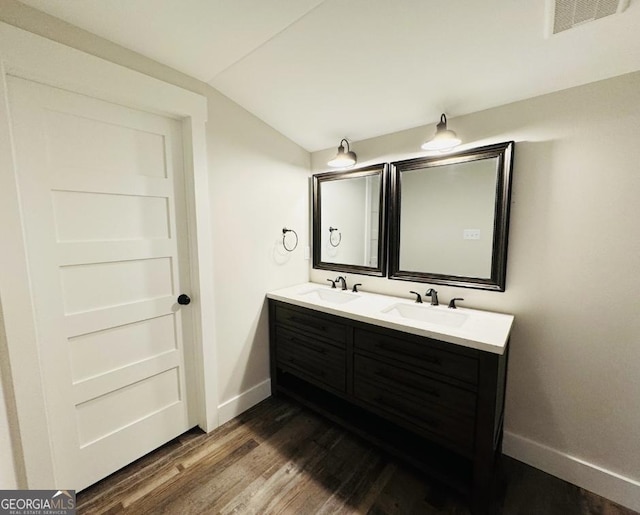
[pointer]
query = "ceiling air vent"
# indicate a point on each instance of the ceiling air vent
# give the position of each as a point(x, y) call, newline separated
point(565, 14)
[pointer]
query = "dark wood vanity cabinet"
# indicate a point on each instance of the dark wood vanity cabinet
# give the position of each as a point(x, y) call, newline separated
point(435, 404)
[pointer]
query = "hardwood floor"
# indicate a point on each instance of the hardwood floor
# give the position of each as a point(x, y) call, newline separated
point(279, 457)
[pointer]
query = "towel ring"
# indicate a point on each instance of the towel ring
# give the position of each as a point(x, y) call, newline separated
point(331, 231)
point(284, 236)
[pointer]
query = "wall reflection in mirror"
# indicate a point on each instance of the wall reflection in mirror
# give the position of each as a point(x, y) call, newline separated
point(461, 198)
point(348, 220)
point(449, 218)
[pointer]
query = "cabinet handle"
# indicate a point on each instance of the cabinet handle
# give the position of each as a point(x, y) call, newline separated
point(305, 321)
point(307, 367)
point(309, 346)
point(389, 404)
point(390, 377)
point(381, 344)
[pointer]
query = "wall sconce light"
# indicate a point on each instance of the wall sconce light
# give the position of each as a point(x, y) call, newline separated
point(444, 139)
point(343, 159)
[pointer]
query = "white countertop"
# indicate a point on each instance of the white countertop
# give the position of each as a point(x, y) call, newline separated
point(482, 330)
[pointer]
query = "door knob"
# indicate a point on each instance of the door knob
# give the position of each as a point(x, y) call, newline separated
point(184, 299)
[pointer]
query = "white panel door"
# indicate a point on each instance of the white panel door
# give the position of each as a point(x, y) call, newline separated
point(102, 201)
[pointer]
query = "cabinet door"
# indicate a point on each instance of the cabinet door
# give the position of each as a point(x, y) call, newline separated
point(444, 412)
point(310, 358)
point(419, 352)
point(311, 323)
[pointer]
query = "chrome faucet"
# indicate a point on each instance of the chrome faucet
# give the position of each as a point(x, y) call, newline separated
point(434, 296)
point(343, 281)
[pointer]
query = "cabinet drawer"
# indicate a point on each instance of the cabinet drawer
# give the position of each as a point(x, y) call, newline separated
point(418, 353)
point(438, 423)
point(420, 389)
point(310, 358)
point(310, 322)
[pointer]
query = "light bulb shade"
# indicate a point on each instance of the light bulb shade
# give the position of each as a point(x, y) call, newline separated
point(444, 138)
point(342, 158)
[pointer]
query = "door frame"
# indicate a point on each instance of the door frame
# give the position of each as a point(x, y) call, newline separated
point(29, 56)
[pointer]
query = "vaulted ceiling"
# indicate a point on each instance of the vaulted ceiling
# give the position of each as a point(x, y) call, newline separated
point(320, 70)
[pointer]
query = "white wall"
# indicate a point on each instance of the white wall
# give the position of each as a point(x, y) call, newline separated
point(259, 184)
point(573, 277)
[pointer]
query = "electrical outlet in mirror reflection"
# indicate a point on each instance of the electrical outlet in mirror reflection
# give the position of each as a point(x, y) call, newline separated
point(471, 234)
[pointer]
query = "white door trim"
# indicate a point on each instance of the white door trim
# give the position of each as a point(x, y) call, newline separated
point(26, 55)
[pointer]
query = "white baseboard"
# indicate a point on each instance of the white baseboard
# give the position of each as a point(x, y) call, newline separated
point(240, 403)
point(608, 484)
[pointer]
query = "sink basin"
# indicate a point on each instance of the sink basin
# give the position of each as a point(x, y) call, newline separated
point(330, 295)
point(427, 313)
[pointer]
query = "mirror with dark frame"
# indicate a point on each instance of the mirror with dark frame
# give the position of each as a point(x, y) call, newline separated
point(349, 213)
point(449, 218)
